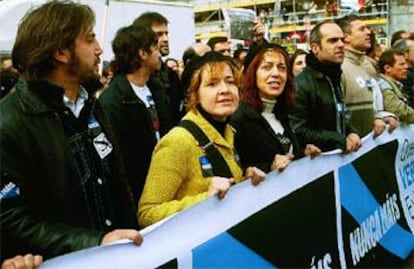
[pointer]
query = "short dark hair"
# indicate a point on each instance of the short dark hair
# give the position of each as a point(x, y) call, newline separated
point(237, 52)
point(295, 55)
point(126, 44)
point(315, 34)
point(401, 45)
point(387, 58)
point(171, 60)
point(44, 30)
point(397, 36)
point(345, 22)
point(148, 19)
point(188, 54)
point(214, 40)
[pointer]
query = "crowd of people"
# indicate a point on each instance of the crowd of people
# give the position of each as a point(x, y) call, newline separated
point(88, 159)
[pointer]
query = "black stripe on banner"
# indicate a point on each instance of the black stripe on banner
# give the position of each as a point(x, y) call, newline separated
point(173, 264)
point(296, 231)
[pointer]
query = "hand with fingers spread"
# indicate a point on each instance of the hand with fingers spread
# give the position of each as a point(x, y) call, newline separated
point(280, 162)
point(255, 174)
point(28, 261)
point(119, 234)
point(219, 186)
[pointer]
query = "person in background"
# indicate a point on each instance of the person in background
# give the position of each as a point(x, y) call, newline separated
point(398, 35)
point(319, 116)
point(182, 171)
point(106, 78)
point(107, 75)
point(263, 137)
point(6, 63)
point(220, 44)
point(373, 53)
point(166, 77)
point(27, 261)
point(174, 65)
point(139, 110)
point(363, 96)
point(394, 68)
point(62, 179)
point(239, 56)
point(8, 78)
point(297, 62)
point(196, 49)
point(406, 46)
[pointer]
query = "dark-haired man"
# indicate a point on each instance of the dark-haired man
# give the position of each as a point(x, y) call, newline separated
point(220, 44)
point(63, 182)
point(319, 117)
point(394, 68)
point(406, 46)
point(139, 110)
point(166, 77)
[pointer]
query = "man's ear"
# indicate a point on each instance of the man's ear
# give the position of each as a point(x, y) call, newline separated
point(62, 55)
point(142, 54)
point(387, 69)
point(314, 48)
point(346, 38)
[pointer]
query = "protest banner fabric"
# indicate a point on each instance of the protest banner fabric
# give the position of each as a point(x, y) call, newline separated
point(334, 211)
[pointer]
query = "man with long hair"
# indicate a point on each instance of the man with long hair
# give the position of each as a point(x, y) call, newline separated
point(63, 182)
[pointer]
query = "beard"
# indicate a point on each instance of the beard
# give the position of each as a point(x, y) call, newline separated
point(164, 51)
point(86, 74)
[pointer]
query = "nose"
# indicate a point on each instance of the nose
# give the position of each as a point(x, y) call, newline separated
point(99, 49)
point(164, 37)
point(275, 71)
point(223, 87)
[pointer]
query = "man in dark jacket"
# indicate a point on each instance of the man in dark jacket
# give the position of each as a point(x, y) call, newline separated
point(319, 117)
point(139, 110)
point(63, 183)
point(165, 77)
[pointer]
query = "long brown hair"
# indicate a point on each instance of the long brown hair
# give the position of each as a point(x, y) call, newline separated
point(46, 29)
point(250, 92)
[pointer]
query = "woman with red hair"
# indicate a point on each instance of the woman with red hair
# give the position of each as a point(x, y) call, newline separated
point(263, 136)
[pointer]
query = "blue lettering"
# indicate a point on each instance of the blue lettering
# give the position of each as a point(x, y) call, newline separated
point(407, 174)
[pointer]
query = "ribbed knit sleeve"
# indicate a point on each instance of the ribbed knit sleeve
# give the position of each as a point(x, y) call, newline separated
point(174, 180)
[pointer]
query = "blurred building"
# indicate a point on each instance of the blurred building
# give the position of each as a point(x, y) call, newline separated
point(289, 21)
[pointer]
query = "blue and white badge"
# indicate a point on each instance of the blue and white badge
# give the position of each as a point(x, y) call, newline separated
point(9, 191)
point(92, 123)
point(102, 145)
point(361, 82)
point(206, 167)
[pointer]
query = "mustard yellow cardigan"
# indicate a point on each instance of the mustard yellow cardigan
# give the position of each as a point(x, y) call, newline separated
point(175, 180)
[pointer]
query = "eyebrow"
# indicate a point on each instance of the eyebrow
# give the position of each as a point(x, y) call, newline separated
point(335, 39)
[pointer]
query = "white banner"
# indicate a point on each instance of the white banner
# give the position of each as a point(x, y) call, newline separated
point(335, 210)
